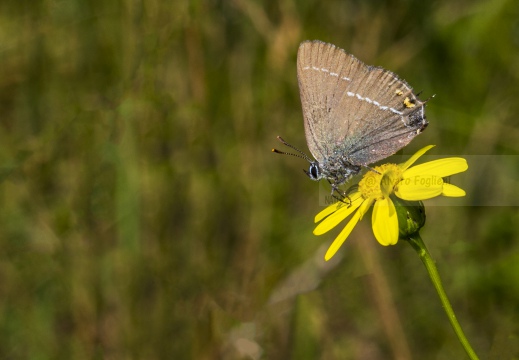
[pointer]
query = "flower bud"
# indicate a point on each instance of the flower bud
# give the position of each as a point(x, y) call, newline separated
point(411, 216)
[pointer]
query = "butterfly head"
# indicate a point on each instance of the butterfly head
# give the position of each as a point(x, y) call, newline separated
point(314, 171)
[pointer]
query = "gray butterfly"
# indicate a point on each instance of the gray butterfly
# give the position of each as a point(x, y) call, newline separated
point(354, 114)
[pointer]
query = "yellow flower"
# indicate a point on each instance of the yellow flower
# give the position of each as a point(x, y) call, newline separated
point(419, 182)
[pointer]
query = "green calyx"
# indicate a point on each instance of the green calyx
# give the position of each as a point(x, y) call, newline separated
point(411, 217)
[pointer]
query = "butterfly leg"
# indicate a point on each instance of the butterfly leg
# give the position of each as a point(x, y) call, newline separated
point(343, 195)
point(370, 168)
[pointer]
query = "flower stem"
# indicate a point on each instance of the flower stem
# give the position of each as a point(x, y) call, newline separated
point(418, 244)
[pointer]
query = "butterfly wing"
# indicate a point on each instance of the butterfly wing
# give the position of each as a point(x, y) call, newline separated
point(366, 113)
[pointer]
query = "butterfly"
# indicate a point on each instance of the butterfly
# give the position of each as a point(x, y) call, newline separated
point(354, 114)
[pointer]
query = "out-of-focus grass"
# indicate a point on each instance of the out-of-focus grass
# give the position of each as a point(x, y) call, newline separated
point(143, 216)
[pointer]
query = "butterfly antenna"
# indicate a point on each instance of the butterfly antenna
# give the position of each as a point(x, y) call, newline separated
point(301, 154)
point(430, 97)
point(287, 153)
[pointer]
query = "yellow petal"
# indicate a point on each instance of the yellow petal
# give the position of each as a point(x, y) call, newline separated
point(415, 157)
point(440, 167)
point(331, 221)
point(327, 211)
point(420, 187)
point(452, 190)
point(339, 240)
point(365, 207)
point(335, 207)
point(385, 222)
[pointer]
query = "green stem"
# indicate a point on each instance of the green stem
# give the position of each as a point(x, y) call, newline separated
point(418, 244)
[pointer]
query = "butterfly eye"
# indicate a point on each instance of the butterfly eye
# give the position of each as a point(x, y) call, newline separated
point(314, 172)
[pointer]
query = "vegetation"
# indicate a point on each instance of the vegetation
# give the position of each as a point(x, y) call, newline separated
point(143, 215)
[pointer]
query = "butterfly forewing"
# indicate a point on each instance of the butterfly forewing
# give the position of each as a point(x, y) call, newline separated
point(323, 73)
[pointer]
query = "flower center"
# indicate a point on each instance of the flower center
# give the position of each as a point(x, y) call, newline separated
point(380, 184)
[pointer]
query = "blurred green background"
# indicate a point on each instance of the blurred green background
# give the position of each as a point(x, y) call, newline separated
point(143, 215)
